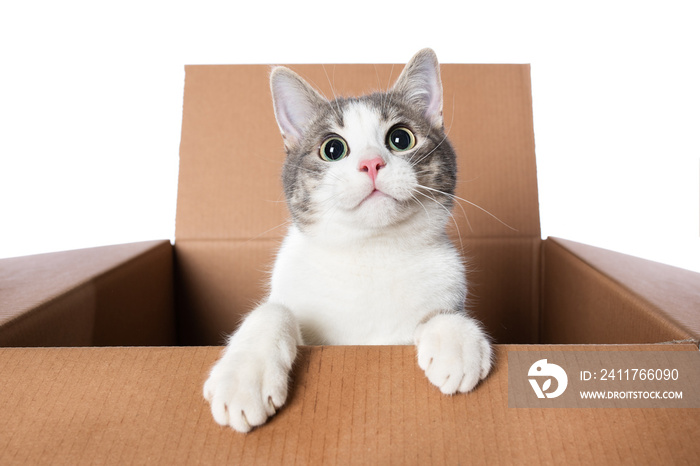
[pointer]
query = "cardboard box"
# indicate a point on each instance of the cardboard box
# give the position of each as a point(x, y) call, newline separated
point(141, 313)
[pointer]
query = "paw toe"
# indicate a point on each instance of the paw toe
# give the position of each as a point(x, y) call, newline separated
point(219, 411)
point(451, 384)
point(207, 393)
point(254, 414)
point(469, 381)
point(240, 422)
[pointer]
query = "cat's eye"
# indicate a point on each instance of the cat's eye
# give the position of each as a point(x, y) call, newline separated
point(333, 149)
point(401, 139)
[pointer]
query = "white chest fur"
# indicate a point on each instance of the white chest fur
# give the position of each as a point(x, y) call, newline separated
point(375, 292)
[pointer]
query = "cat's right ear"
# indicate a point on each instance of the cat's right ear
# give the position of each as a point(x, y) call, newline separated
point(295, 103)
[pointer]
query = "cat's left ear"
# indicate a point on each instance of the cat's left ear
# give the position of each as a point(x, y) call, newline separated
point(295, 102)
point(420, 83)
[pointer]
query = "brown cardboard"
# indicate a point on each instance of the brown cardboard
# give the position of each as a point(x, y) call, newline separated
point(347, 404)
point(596, 296)
point(101, 296)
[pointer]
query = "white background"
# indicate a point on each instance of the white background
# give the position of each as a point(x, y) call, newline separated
point(91, 105)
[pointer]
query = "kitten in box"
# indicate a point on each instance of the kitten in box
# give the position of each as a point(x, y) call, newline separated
point(369, 183)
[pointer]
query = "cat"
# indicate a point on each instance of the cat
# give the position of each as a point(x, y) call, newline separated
point(369, 183)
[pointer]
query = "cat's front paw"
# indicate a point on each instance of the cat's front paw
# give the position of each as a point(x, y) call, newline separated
point(454, 352)
point(245, 388)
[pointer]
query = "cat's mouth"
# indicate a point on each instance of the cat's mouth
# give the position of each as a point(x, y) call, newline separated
point(375, 195)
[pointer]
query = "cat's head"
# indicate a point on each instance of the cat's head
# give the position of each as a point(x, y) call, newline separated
point(363, 165)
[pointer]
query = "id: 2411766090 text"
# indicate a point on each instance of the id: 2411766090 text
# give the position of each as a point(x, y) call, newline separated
point(630, 374)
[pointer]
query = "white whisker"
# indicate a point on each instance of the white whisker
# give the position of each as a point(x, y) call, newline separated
point(285, 223)
point(464, 212)
point(391, 72)
point(334, 175)
point(421, 172)
point(335, 96)
point(381, 93)
point(469, 180)
point(388, 88)
point(423, 157)
point(459, 234)
point(422, 205)
point(473, 205)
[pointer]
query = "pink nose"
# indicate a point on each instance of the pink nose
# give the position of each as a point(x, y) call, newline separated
point(372, 167)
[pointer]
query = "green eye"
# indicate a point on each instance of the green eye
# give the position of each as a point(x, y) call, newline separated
point(333, 149)
point(401, 139)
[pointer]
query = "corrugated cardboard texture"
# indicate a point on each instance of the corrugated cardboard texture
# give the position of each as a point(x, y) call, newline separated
point(231, 213)
point(348, 405)
point(111, 295)
point(591, 295)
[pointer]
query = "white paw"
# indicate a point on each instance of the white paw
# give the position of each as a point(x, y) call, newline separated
point(249, 383)
point(245, 389)
point(454, 352)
